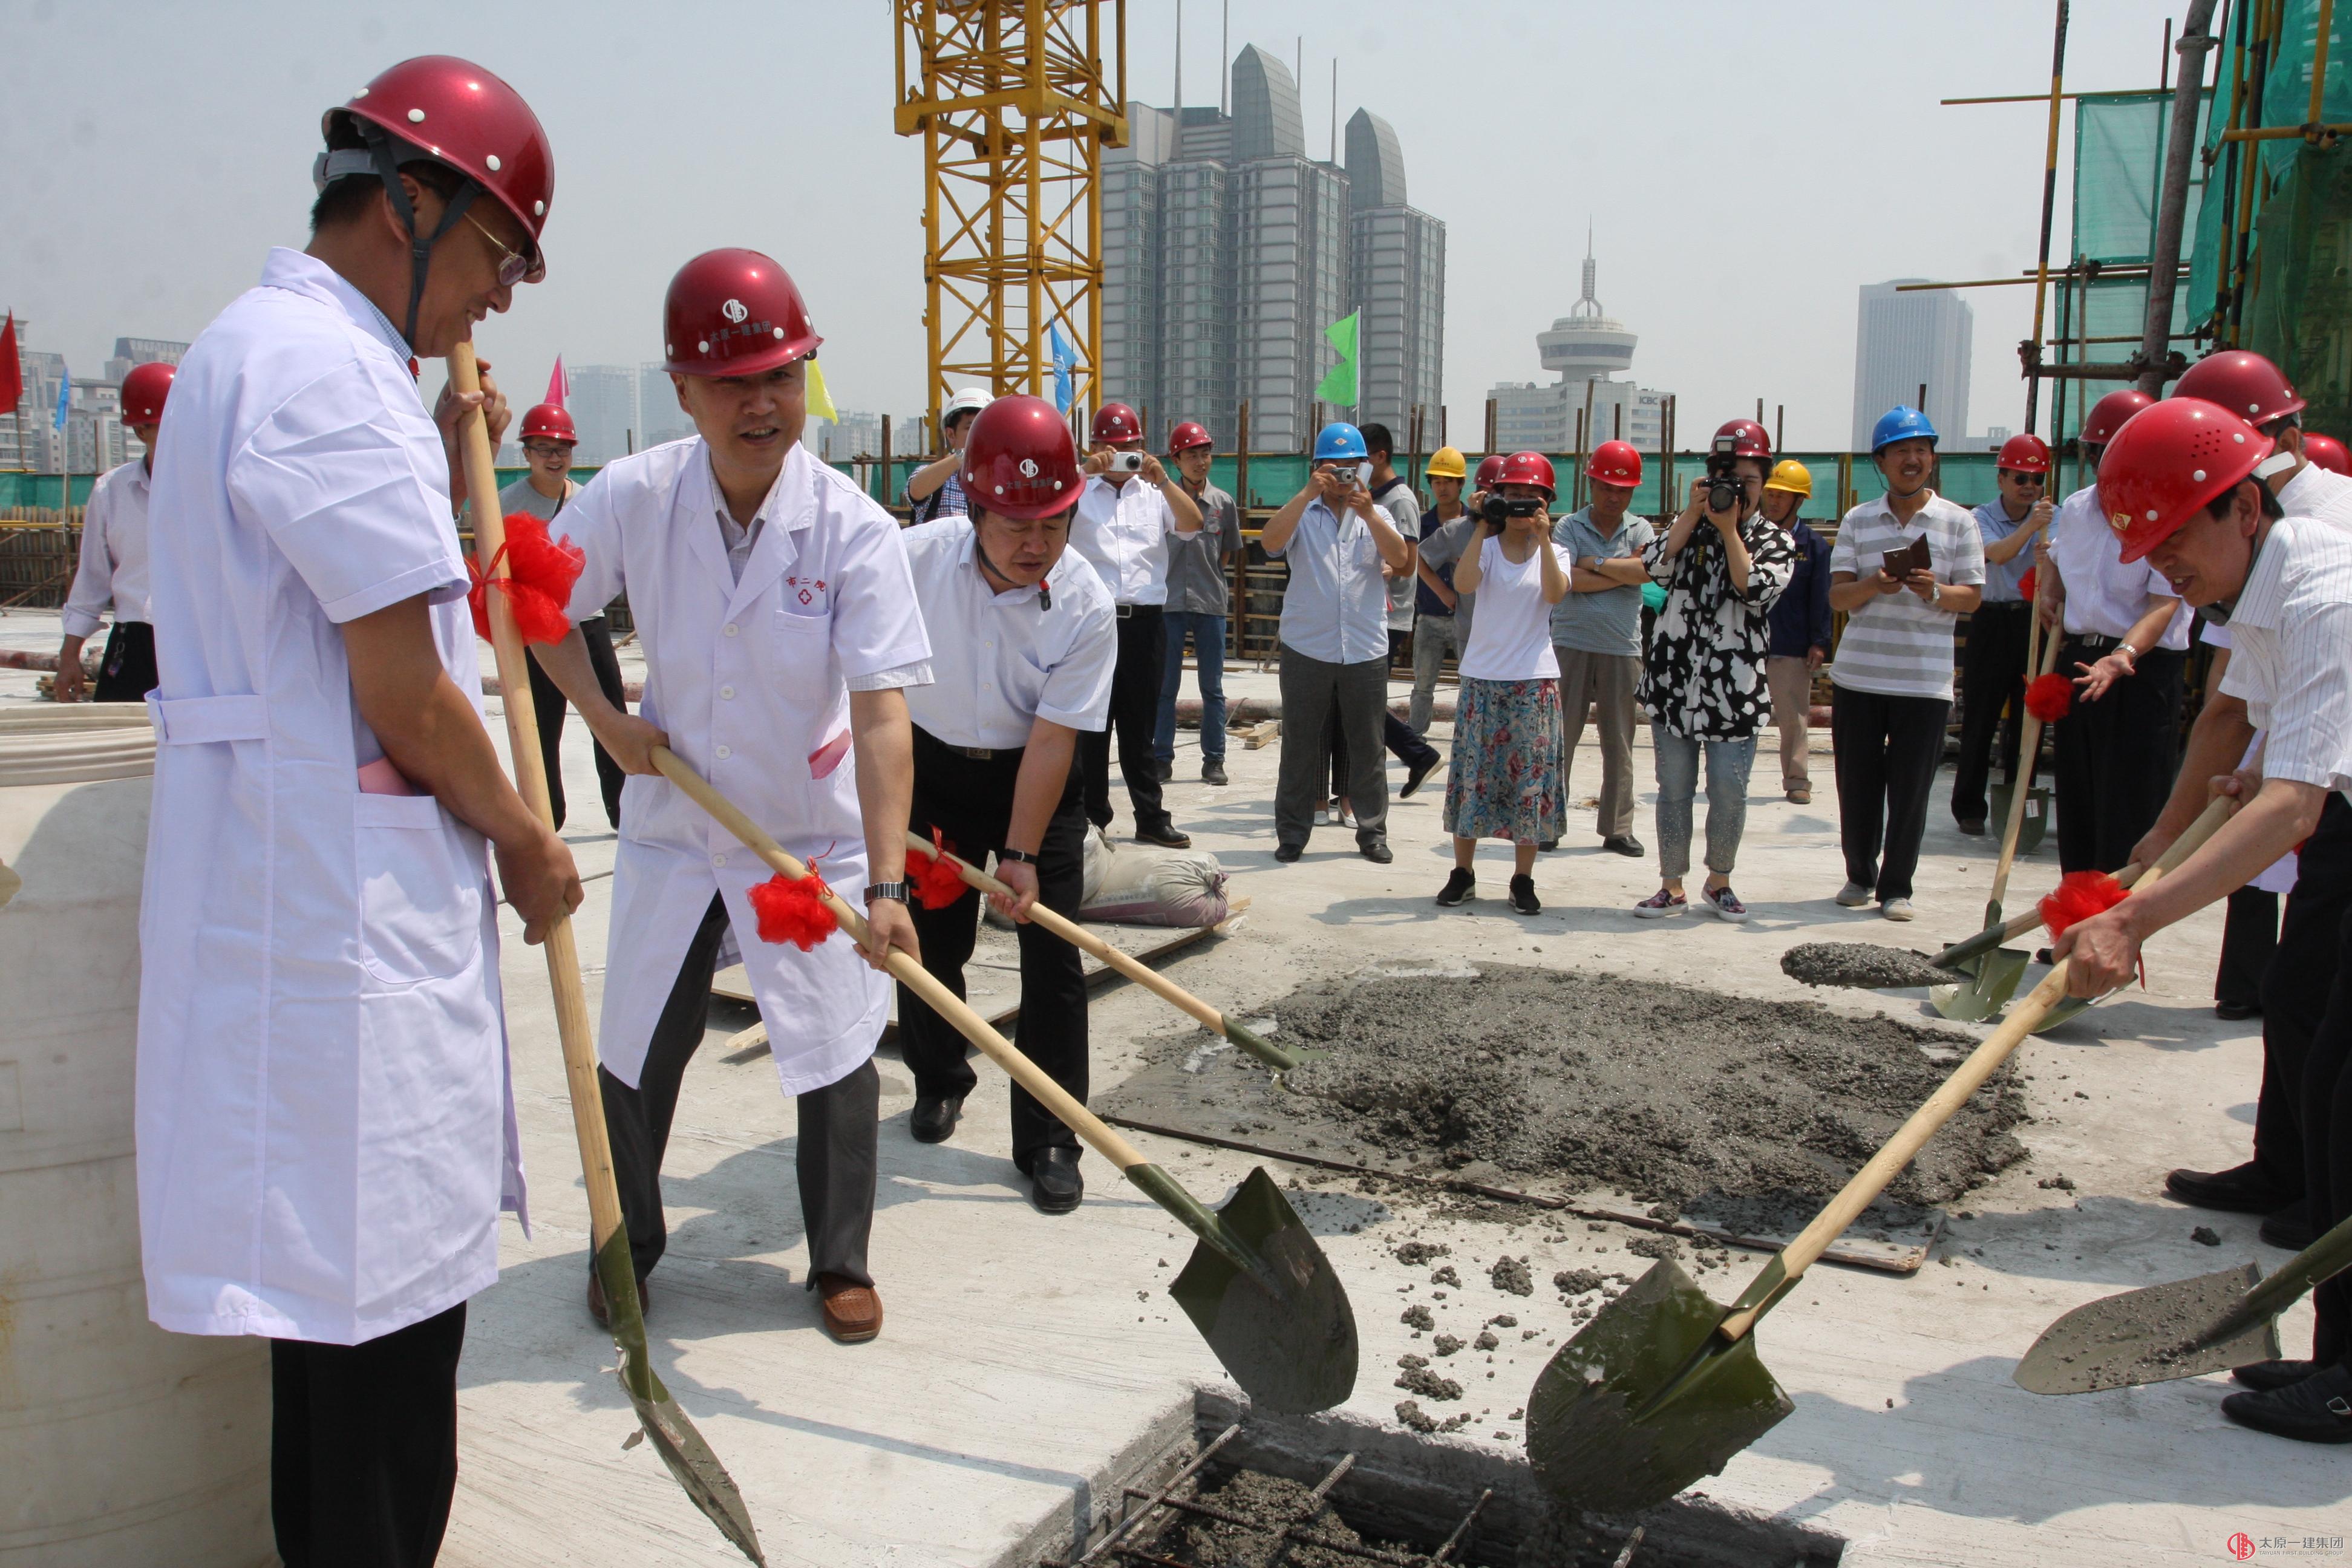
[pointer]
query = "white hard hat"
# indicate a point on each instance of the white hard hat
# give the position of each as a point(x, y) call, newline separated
point(967, 400)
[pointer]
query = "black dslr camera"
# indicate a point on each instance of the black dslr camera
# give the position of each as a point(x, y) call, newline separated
point(1724, 490)
point(1498, 510)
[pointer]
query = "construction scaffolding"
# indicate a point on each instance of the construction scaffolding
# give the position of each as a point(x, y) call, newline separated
point(1016, 103)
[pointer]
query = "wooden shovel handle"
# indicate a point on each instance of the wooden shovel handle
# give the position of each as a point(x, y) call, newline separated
point(1874, 1178)
point(909, 973)
point(2018, 925)
point(572, 1022)
point(2028, 754)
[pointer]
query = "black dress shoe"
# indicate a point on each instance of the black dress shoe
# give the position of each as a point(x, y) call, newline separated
point(1165, 836)
point(1378, 852)
point(1055, 1183)
point(1418, 771)
point(2290, 1228)
point(1624, 844)
point(1286, 853)
point(934, 1117)
point(2241, 1189)
point(2266, 1376)
point(1213, 772)
point(1164, 772)
point(1974, 830)
point(2317, 1410)
point(2237, 1012)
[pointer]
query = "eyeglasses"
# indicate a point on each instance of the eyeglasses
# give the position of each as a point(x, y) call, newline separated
point(514, 267)
point(546, 449)
point(2025, 478)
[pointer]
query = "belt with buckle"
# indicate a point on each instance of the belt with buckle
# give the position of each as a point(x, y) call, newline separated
point(2093, 639)
point(979, 754)
point(1123, 611)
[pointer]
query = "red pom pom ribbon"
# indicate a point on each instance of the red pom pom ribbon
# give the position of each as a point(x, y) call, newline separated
point(937, 884)
point(540, 573)
point(2027, 585)
point(2079, 896)
point(793, 911)
point(2050, 697)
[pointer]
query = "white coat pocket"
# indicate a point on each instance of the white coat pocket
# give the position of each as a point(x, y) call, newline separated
point(420, 900)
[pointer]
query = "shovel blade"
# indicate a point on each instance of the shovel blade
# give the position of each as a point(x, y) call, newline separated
point(2037, 815)
point(698, 1469)
point(2153, 1335)
point(1647, 1398)
point(1269, 1304)
point(1998, 974)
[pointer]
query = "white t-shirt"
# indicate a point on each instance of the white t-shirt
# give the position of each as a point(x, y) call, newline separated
point(1511, 638)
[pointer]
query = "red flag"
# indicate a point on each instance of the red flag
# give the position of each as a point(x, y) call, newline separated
point(557, 387)
point(12, 370)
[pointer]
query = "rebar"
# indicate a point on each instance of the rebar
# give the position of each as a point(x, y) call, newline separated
point(1127, 1525)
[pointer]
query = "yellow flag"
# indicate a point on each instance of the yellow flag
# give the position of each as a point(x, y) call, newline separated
point(820, 401)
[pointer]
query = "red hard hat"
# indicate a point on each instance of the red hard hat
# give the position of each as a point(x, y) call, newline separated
point(2320, 451)
point(454, 112)
point(2109, 413)
point(2243, 382)
point(1748, 438)
point(143, 392)
point(1186, 437)
point(550, 420)
point(1115, 423)
point(2024, 455)
point(1614, 463)
point(1528, 469)
point(1019, 460)
point(1490, 471)
point(734, 312)
point(2168, 463)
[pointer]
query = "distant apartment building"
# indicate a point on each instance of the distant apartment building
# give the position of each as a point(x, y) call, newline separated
point(604, 407)
point(133, 351)
point(1227, 251)
point(1585, 349)
point(1903, 341)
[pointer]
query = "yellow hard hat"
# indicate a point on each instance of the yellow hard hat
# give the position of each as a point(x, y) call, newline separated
point(1445, 463)
point(1792, 476)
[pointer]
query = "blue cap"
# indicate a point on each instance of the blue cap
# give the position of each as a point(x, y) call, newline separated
point(1901, 423)
point(1339, 439)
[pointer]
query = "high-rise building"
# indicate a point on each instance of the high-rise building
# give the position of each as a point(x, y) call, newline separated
point(30, 439)
point(604, 405)
point(663, 420)
point(1585, 348)
point(1903, 341)
point(1227, 251)
point(132, 352)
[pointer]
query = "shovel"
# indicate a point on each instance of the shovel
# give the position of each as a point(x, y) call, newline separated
point(2186, 1328)
point(1258, 1287)
point(1663, 1386)
point(1134, 969)
point(681, 1447)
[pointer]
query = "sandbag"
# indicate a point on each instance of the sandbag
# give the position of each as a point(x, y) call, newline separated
point(1136, 884)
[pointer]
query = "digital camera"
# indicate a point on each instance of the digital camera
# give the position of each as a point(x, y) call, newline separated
point(1497, 509)
point(1127, 462)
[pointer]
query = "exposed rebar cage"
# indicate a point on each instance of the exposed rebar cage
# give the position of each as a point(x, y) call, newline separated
point(1015, 101)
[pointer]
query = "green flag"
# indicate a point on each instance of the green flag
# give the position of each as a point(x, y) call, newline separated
point(1340, 386)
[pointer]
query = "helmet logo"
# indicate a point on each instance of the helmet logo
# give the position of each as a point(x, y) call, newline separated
point(734, 310)
point(1028, 467)
point(2119, 522)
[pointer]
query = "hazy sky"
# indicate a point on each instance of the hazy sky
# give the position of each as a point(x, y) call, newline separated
point(1744, 166)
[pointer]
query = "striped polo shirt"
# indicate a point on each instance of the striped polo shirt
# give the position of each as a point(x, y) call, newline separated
point(1898, 644)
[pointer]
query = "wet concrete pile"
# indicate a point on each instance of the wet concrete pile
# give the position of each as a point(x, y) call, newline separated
point(1675, 1095)
point(1867, 965)
point(1267, 1505)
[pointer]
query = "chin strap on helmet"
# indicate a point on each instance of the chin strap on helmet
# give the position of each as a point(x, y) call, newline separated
point(380, 157)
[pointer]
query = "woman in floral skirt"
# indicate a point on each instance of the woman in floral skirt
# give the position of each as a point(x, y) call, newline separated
point(1506, 780)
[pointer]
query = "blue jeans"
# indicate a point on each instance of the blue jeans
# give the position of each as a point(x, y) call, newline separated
point(1728, 763)
point(1208, 633)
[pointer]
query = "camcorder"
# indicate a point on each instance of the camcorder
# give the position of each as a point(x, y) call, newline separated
point(1498, 510)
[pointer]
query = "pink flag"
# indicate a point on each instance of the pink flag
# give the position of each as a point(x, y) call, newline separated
point(558, 389)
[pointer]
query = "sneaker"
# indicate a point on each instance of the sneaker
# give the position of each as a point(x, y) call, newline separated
point(1624, 844)
point(1343, 817)
point(1853, 896)
point(1459, 889)
point(1725, 902)
point(1899, 910)
point(1659, 905)
point(1213, 772)
point(1523, 896)
point(1415, 775)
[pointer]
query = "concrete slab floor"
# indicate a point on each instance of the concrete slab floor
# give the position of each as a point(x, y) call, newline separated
point(1025, 1356)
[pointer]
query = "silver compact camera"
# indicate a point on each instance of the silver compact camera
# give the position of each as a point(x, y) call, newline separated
point(1127, 462)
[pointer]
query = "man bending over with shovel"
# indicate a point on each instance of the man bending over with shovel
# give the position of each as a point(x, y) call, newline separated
point(2180, 485)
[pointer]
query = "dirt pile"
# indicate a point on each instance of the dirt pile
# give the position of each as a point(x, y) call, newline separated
point(1665, 1092)
point(1865, 964)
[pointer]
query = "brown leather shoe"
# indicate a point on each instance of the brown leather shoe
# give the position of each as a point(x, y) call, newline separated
point(853, 1313)
point(602, 1314)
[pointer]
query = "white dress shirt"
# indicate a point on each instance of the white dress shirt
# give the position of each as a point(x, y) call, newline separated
point(1122, 531)
point(1004, 659)
point(2279, 876)
point(113, 569)
point(2315, 492)
point(2104, 598)
point(2288, 632)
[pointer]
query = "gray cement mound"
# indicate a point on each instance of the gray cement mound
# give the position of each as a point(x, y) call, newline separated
point(1865, 964)
point(1668, 1093)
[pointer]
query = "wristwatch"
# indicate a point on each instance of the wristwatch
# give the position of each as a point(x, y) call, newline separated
point(2131, 655)
point(1017, 857)
point(895, 891)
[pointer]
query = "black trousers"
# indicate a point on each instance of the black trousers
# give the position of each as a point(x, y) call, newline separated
point(1134, 718)
point(2115, 758)
point(127, 673)
point(969, 800)
point(1992, 701)
point(547, 703)
point(2249, 937)
point(2296, 992)
point(2327, 1147)
point(834, 1153)
point(1887, 749)
point(363, 1445)
point(1399, 737)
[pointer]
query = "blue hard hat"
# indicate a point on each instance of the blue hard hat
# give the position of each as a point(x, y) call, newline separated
point(1901, 423)
point(1339, 439)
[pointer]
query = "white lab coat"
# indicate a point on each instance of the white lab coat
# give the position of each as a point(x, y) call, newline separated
point(325, 1122)
point(749, 680)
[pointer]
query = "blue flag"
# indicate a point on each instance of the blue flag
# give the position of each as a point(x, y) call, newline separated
point(1065, 360)
point(64, 394)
